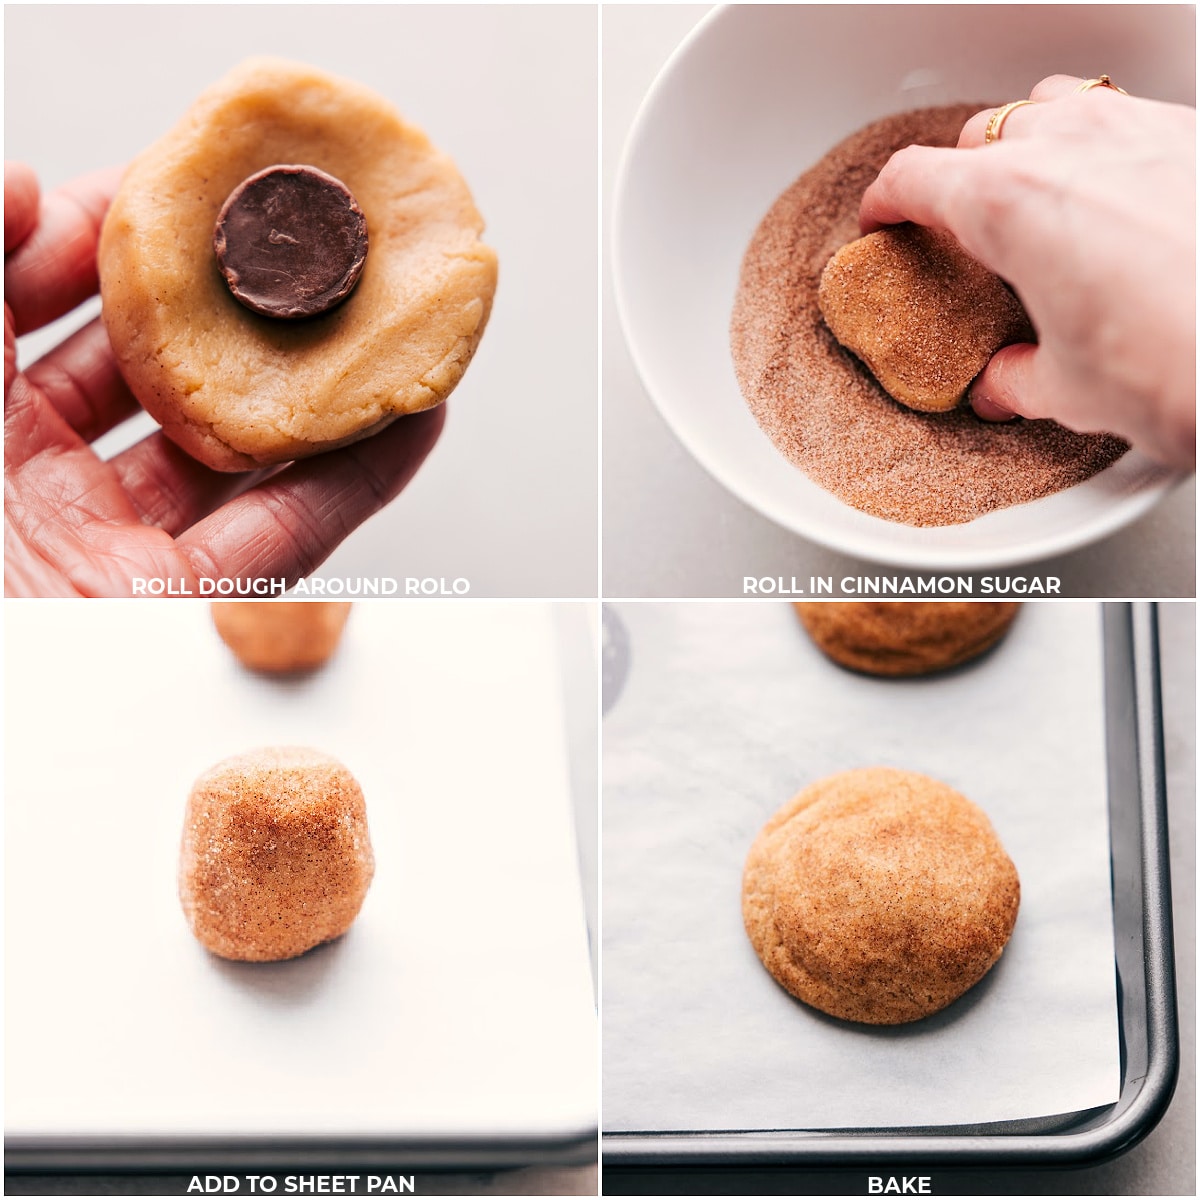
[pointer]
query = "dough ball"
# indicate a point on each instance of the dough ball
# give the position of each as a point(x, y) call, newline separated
point(920, 312)
point(905, 637)
point(238, 390)
point(276, 857)
point(281, 636)
point(879, 896)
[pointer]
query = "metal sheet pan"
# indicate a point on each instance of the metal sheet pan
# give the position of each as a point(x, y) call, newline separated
point(1149, 1043)
point(408, 688)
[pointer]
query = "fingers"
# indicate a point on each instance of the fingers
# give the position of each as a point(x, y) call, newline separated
point(1020, 121)
point(988, 410)
point(170, 489)
point(916, 184)
point(81, 381)
point(1008, 386)
point(53, 268)
point(21, 195)
point(923, 184)
point(1054, 87)
point(1012, 124)
point(288, 526)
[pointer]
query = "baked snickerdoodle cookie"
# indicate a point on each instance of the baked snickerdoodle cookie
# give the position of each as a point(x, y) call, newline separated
point(280, 637)
point(905, 637)
point(240, 390)
point(920, 312)
point(879, 896)
point(276, 857)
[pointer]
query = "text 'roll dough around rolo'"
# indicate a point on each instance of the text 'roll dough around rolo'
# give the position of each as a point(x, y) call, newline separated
point(237, 390)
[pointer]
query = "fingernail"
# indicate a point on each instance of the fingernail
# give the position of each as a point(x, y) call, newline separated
point(986, 410)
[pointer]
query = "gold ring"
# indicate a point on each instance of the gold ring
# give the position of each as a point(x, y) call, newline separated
point(996, 121)
point(1103, 81)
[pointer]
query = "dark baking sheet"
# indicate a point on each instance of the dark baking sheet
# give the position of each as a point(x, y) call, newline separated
point(1149, 1043)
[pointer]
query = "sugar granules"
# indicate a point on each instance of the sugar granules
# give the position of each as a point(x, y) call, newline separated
point(822, 408)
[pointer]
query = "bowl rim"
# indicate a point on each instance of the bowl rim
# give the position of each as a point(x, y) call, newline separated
point(872, 545)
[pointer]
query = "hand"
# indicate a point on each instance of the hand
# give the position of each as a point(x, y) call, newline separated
point(78, 526)
point(1086, 206)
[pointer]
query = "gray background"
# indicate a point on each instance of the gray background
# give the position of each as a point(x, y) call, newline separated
point(508, 497)
point(672, 530)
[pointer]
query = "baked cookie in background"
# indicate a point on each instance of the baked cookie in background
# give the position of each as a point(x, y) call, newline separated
point(276, 857)
point(879, 896)
point(905, 637)
point(281, 637)
point(239, 390)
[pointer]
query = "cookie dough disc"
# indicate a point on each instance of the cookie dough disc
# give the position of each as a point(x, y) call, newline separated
point(920, 312)
point(276, 858)
point(238, 390)
point(879, 896)
point(281, 636)
point(905, 638)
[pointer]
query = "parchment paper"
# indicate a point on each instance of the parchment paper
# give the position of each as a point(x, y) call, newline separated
point(458, 1006)
point(726, 712)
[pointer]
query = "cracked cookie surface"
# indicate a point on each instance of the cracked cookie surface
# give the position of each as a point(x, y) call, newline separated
point(879, 896)
point(905, 637)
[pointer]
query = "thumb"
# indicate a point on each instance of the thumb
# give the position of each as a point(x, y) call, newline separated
point(1009, 386)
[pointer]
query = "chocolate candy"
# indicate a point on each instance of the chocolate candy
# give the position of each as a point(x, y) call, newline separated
point(291, 242)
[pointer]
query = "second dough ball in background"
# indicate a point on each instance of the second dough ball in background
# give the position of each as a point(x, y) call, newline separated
point(905, 637)
point(281, 637)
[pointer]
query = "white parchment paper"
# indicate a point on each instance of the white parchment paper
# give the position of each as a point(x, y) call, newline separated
point(727, 711)
point(458, 1006)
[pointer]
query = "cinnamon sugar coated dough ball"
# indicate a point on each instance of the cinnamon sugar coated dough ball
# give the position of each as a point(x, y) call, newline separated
point(920, 312)
point(281, 636)
point(276, 857)
point(237, 390)
point(905, 638)
point(879, 896)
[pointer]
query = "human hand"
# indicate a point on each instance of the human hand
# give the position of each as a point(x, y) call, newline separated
point(78, 526)
point(1087, 207)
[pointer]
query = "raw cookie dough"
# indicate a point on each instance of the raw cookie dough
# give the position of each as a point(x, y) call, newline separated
point(237, 390)
point(905, 637)
point(879, 896)
point(920, 312)
point(281, 636)
point(276, 858)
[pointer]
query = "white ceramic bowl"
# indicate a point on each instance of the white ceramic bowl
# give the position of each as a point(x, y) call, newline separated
point(751, 99)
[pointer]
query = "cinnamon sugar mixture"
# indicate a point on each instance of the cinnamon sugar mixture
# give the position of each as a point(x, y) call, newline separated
point(823, 409)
